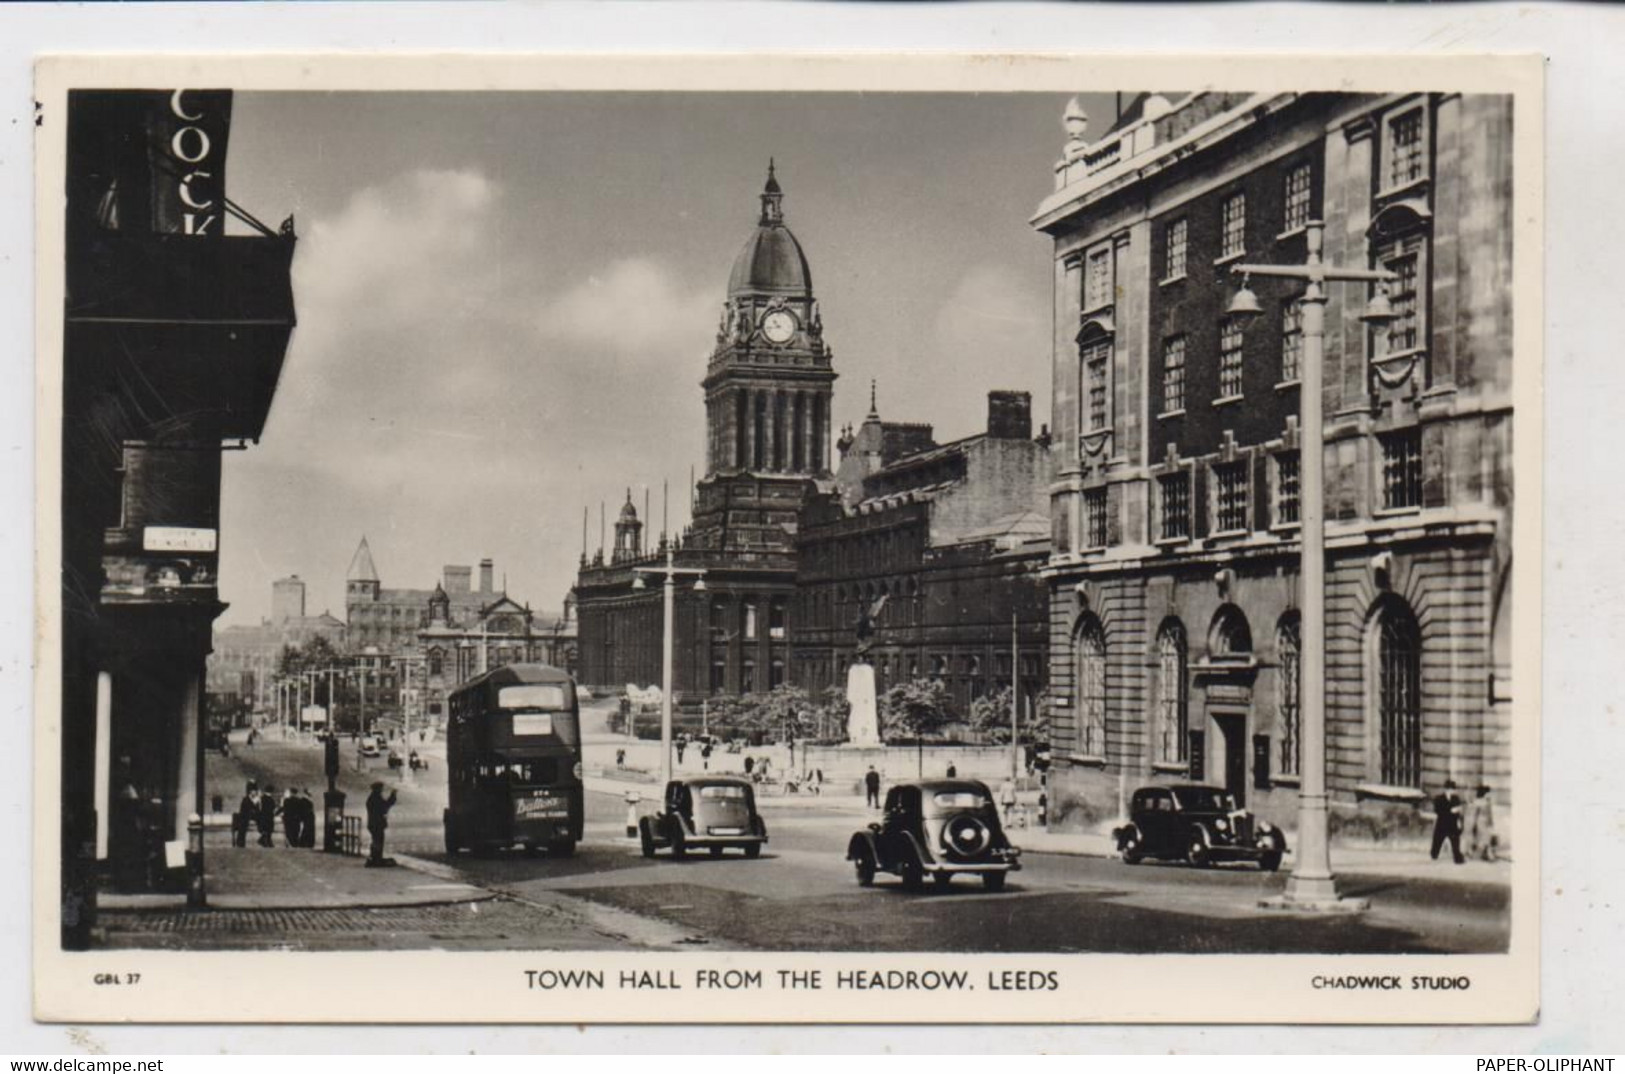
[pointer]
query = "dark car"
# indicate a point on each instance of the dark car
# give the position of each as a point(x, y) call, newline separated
point(938, 828)
point(705, 813)
point(1199, 824)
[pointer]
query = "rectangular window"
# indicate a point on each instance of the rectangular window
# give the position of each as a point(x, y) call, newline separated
point(1233, 225)
point(1230, 497)
point(1173, 374)
point(1402, 469)
point(1175, 493)
point(1407, 160)
point(1297, 198)
point(1094, 518)
point(1230, 359)
point(1174, 260)
point(1095, 357)
point(750, 619)
point(1097, 291)
point(1404, 332)
point(1291, 340)
point(1286, 488)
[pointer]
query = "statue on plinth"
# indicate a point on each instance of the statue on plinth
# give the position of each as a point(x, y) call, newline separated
point(863, 720)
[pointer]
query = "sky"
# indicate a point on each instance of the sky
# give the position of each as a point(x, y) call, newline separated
point(506, 302)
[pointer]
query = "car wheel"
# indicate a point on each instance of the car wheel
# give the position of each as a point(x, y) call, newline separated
point(1270, 861)
point(942, 880)
point(753, 850)
point(1196, 851)
point(563, 848)
point(646, 837)
point(1131, 851)
point(993, 881)
point(865, 867)
point(716, 852)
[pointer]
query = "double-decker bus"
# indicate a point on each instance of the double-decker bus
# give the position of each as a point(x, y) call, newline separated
point(513, 759)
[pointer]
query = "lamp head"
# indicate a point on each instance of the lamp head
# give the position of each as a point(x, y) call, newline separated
point(1244, 306)
point(1379, 312)
point(637, 583)
point(699, 585)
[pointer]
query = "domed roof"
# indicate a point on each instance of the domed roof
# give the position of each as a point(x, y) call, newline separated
point(628, 512)
point(771, 261)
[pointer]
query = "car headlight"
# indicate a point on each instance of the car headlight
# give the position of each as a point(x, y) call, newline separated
point(576, 771)
point(1264, 827)
point(1222, 824)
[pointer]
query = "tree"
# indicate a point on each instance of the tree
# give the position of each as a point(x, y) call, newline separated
point(832, 712)
point(990, 716)
point(918, 709)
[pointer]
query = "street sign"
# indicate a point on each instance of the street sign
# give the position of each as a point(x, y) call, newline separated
point(178, 539)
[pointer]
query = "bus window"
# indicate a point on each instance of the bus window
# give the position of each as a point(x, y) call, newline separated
point(544, 695)
point(543, 771)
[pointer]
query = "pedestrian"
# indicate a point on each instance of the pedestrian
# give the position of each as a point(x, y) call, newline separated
point(680, 747)
point(1447, 808)
point(378, 808)
point(750, 763)
point(248, 811)
point(952, 771)
point(620, 758)
point(253, 733)
point(1007, 800)
point(818, 781)
point(871, 787)
point(290, 817)
point(1482, 842)
point(267, 815)
point(705, 756)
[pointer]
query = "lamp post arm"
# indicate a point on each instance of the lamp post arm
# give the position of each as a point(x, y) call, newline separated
point(1320, 272)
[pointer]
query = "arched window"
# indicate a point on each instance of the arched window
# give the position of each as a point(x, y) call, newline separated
point(1089, 647)
point(1230, 635)
point(1288, 649)
point(1172, 701)
point(1398, 652)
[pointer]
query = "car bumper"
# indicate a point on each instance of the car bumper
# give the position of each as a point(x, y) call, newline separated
point(1222, 852)
point(951, 868)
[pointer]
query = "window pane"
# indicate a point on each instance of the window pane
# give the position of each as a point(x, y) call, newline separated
point(1176, 505)
point(1230, 491)
point(1230, 359)
point(1234, 225)
point(1287, 698)
point(1094, 518)
point(1286, 488)
point(1405, 160)
point(1402, 469)
point(1291, 340)
point(1173, 374)
point(1174, 266)
point(1297, 197)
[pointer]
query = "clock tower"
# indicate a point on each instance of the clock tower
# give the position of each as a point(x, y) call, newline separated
point(768, 386)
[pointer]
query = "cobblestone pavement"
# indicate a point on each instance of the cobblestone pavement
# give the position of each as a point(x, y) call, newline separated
point(493, 924)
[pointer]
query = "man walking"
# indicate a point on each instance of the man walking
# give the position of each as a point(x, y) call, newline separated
point(1447, 809)
point(267, 816)
point(871, 787)
point(378, 808)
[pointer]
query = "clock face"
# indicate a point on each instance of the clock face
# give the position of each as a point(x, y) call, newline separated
point(779, 326)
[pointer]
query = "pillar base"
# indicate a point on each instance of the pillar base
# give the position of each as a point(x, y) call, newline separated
point(1313, 895)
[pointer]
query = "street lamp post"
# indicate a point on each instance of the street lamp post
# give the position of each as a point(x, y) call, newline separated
point(1312, 885)
point(669, 573)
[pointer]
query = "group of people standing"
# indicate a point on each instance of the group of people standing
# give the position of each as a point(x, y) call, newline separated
point(260, 809)
point(1453, 818)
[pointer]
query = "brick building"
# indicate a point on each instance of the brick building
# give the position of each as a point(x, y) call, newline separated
point(174, 338)
point(1173, 577)
point(946, 541)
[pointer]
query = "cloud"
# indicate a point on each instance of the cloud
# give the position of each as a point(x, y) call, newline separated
point(634, 307)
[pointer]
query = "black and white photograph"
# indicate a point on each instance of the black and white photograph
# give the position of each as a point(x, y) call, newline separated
point(726, 548)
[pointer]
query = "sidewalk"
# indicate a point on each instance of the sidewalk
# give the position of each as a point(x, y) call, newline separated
point(283, 878)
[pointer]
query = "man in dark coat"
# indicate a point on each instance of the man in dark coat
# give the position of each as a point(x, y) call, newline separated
point(267, 816)
point(378, 808)
point(247, 816)
point(871, 787)
point(1447, 809)
point(307, 818)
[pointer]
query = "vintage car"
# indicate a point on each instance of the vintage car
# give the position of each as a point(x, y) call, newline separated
point(709, 813)
point(1199, 824)
point(369, 746)
point(938, 828)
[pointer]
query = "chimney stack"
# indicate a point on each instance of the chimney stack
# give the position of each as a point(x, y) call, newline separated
point(455, 579)
point(486, 570)
point(1010, 415)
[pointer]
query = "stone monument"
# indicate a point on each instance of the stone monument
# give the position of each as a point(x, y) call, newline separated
point(863, 719)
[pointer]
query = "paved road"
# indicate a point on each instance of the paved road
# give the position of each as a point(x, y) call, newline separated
point(801, 894)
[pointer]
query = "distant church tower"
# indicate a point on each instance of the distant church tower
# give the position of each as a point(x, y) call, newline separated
point(628, 532)
point(361, 580)
point(768, 387)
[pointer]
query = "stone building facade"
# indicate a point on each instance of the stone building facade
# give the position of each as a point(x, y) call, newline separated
point(944, 545)
point(950, 532)
point(1174, 633)
point(246, 656)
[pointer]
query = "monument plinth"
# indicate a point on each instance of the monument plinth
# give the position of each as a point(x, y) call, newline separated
point(863, 722)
